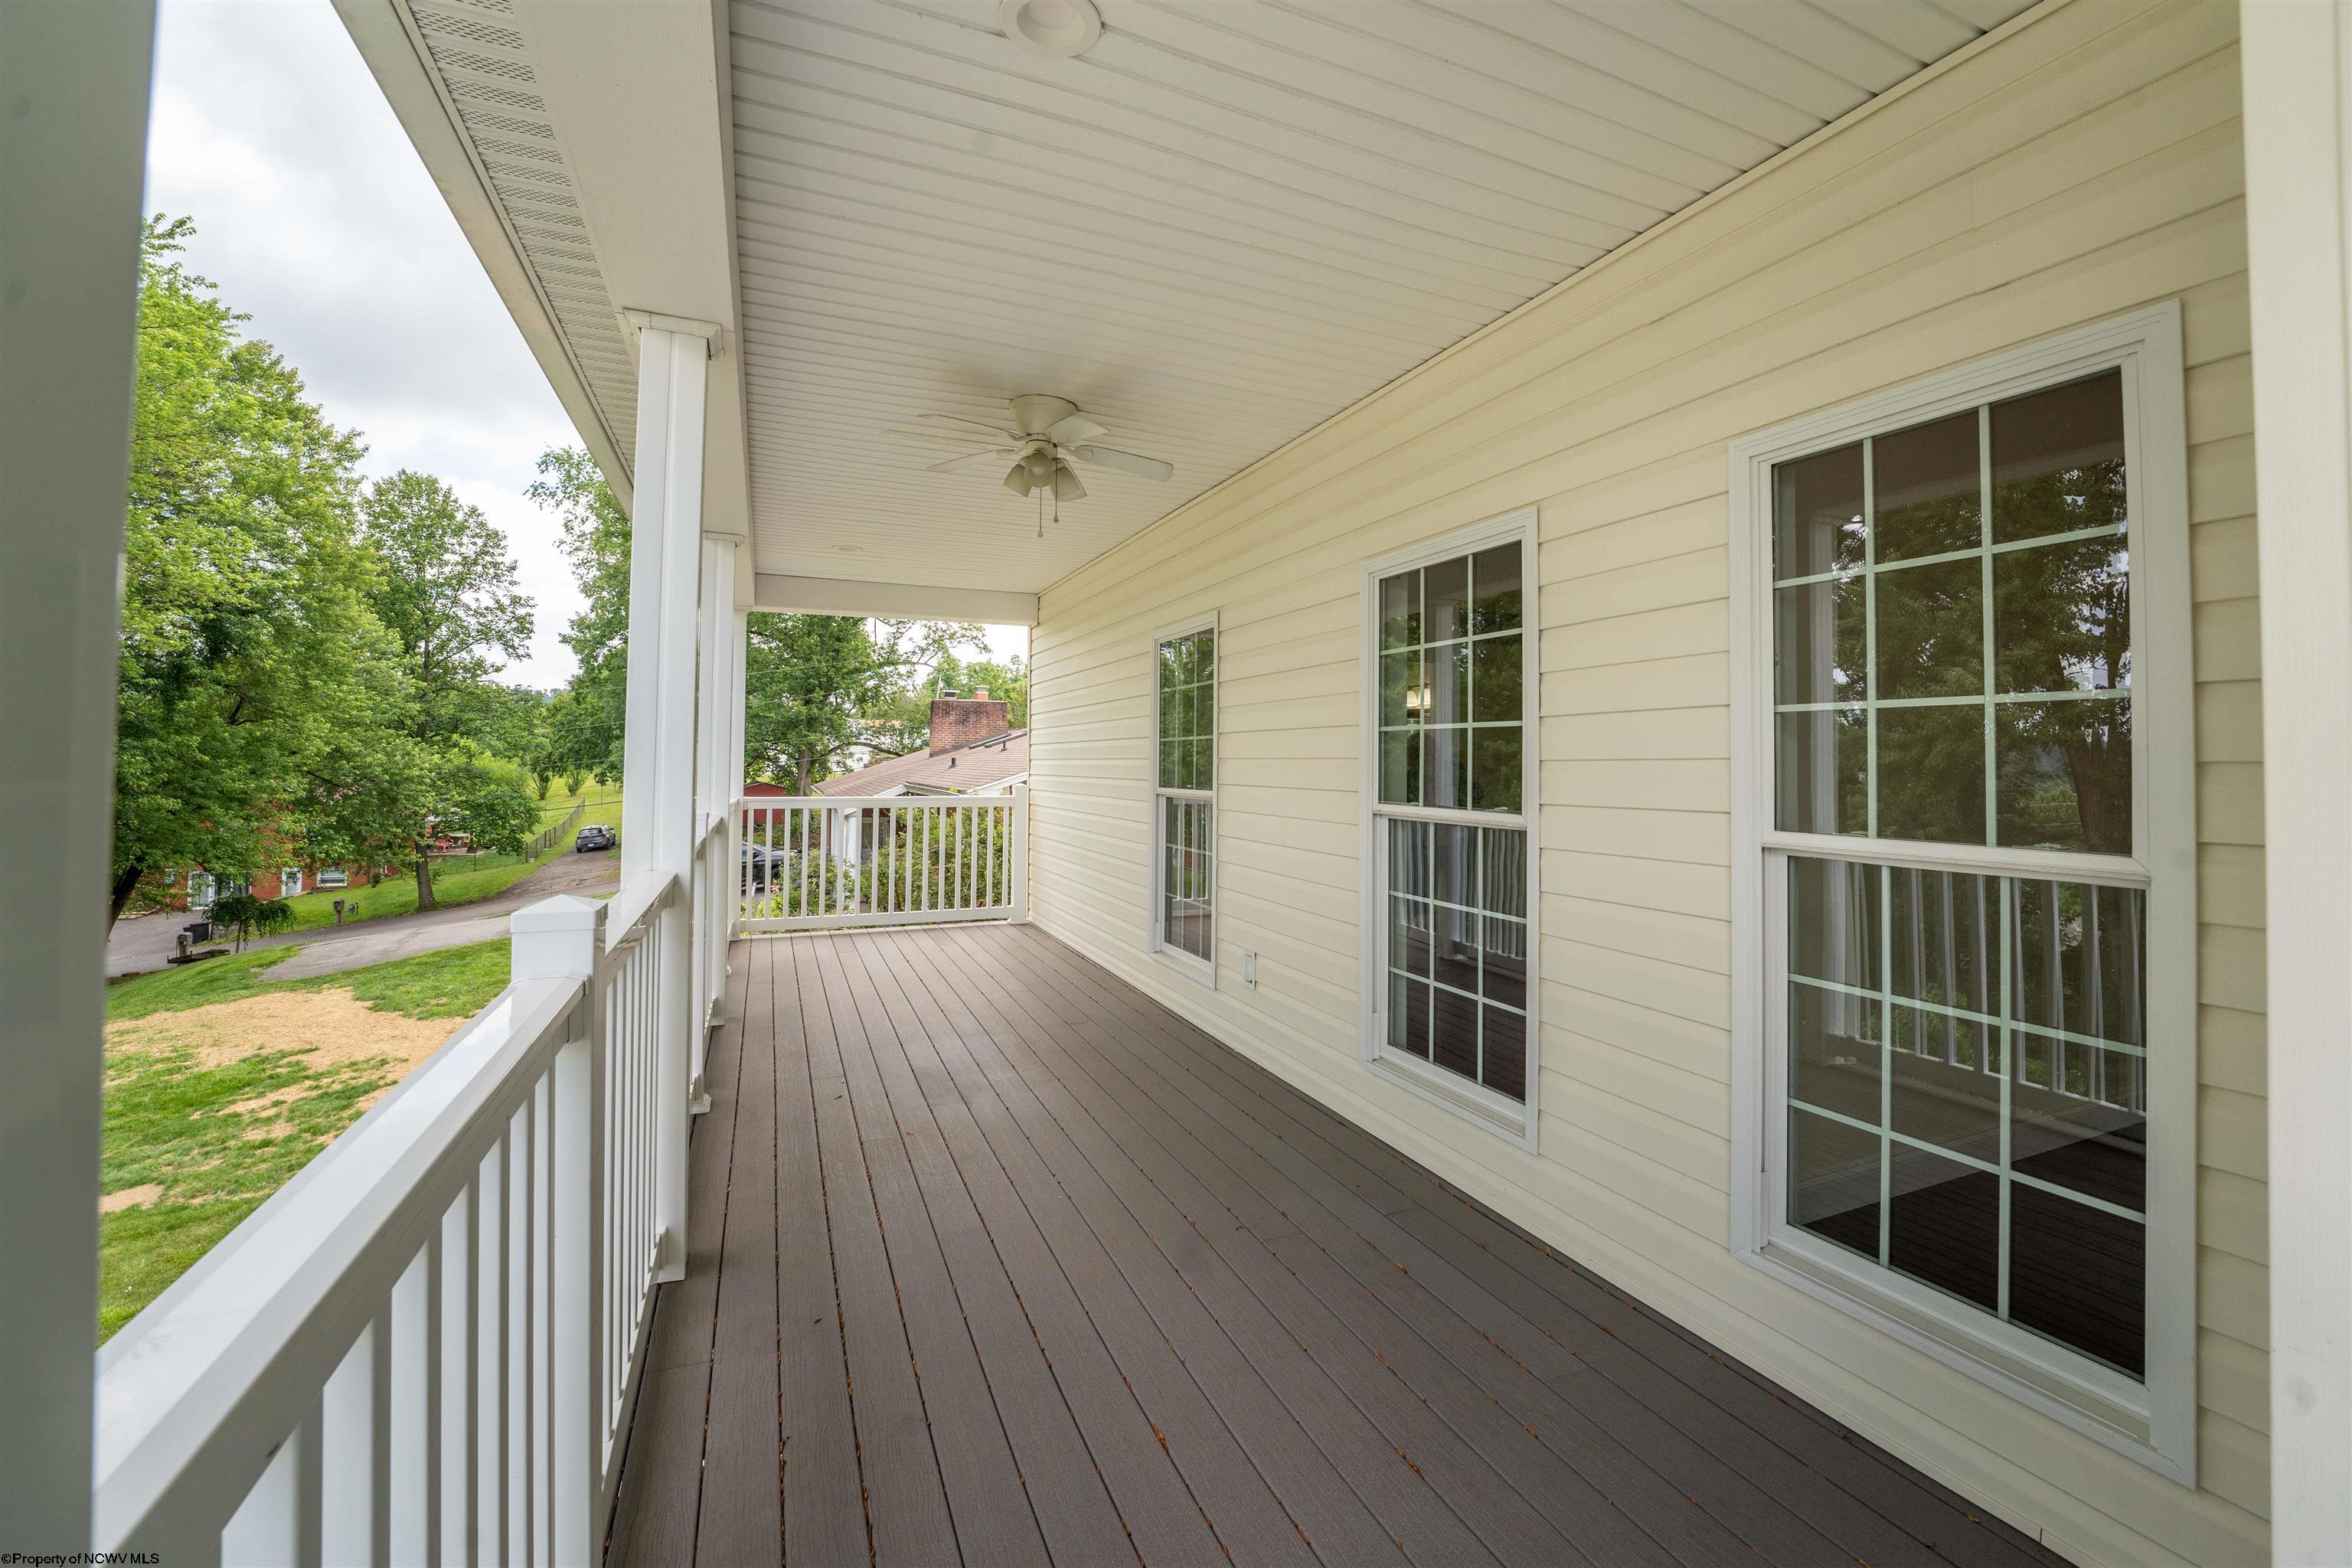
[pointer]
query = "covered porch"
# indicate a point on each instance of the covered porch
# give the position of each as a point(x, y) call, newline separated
point(992, 1258)
point(807, 1202)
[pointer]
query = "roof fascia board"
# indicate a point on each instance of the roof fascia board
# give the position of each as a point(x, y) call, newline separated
point(396, 55)
point(644, 111)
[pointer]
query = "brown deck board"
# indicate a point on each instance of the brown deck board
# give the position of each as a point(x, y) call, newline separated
point(1444, 1429)
point(1335, 1392)
point(1225, 1487)
point(894, 1449)
point(1326, 1513)
point(992, 1260)
point(1154, 1503)
point(740, 1449)
point(1829, 1455)
point(1639, 1401)
point(1065, 1487)
point(1346, 1225)
point(1462, 1371)
point(824, 1497)
point(655, 1520)
point(992, 1520)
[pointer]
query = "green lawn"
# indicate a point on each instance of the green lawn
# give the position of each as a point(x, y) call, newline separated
point(450, 984)
point(208, 1112)
point(460, 880)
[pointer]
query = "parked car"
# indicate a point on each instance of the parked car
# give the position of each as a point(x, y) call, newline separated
point(595, 836)
point(760, 865)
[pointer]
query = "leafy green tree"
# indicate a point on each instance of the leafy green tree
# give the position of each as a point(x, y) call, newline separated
point(806, 679)
point(247, 639)
point(810, 680)
point(445, 590)
point(585, 722)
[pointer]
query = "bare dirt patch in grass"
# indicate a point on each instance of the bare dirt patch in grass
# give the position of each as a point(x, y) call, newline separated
point(211, 1108)
point(137, 1197)
point(332, 1026)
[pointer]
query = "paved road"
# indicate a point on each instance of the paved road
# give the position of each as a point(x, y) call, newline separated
point(139, 946)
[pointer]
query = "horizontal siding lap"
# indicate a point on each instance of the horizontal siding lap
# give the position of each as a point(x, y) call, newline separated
point(1668, 887)
point(2086, 165)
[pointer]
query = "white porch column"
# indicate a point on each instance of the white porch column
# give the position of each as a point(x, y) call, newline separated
point(658, 753)
point(739, 650)
point(74, 78)
point(712, 729)
point(2297, 59)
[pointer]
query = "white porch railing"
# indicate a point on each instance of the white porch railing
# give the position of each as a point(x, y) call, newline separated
point(810, 861)
point(424, 1348)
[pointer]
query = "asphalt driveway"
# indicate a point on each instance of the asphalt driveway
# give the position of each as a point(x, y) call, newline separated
point(138, 946)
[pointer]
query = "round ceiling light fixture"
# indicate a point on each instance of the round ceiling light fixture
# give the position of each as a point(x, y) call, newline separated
point(1051, 29)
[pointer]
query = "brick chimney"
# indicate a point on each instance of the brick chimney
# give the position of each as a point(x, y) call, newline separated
point(960, 720)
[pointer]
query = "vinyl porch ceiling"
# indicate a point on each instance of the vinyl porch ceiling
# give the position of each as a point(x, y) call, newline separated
point(1220, 227)
point(992, 1260)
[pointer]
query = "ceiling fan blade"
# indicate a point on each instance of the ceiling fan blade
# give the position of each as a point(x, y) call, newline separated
point(1126, 462)
point(1077, 430)
point(970, 459)
point(1065, 484)
point(1034, 412)
point(953, 437)
point(975, 423)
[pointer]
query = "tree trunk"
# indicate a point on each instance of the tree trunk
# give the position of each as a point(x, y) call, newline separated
point(424, 880)
point(807, 766)
point(126, 882)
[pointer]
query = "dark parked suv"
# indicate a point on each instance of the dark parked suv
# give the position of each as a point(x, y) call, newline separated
point(595, 836)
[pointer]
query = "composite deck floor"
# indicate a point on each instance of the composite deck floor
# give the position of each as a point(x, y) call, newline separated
point(994, 1261)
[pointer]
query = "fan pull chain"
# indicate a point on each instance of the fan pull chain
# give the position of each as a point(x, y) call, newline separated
point(1041, 514)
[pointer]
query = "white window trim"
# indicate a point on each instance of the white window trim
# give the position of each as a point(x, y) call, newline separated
point(1204, 970)
point(1509, 1120)
point(2153, 1422)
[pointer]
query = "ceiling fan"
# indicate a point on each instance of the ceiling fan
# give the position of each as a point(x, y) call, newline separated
point(1048, 435)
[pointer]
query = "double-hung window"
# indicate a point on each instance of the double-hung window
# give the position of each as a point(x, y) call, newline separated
point(1450, 931)
point(1965, 853)
point(1183, 795)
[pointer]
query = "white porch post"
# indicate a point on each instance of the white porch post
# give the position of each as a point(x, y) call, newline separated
point(2297, 60)
point(712, 728)
point(75, 80)
point(732, 709)
point(658, 753)
point(739, 650)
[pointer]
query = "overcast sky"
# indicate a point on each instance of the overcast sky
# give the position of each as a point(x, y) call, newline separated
point(315, 218)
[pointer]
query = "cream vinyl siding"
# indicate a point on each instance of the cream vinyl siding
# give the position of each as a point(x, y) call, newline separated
point(2079, 162)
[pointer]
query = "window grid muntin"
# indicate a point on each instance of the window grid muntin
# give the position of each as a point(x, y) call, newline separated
point(2154, 1422)
point(1184, 813)
point(1989, 697)
point(2007, 1026)
point(1478, 913)
point(1197, 698)
point(2010, 866)
point(1421, 648)
point(1514, 825)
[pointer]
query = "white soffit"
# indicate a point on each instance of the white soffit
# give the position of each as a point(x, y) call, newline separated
point(462, 77)
point(1220, 226)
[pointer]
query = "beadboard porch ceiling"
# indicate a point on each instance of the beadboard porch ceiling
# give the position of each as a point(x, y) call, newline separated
point(1220, 226)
